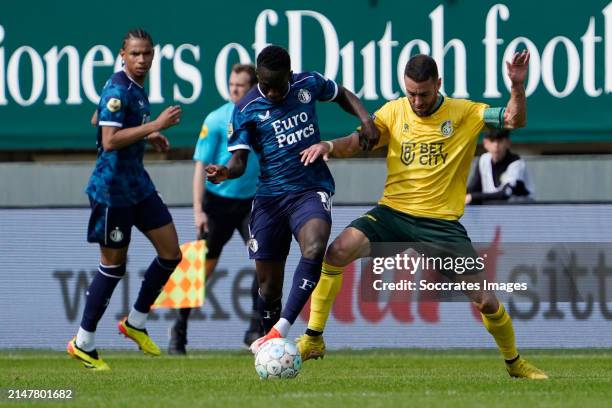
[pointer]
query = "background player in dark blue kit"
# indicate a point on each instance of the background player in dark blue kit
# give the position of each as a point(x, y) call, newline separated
point(277, 120)
point(122, 195)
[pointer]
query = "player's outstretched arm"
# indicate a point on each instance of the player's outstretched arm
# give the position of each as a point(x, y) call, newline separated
point(347, 146)
point(234, 169)
point(114, 138)
point(515, 115)
point(349, 102)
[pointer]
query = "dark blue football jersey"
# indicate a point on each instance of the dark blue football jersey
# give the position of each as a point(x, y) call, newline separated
point(119, 178)
point(278, 132)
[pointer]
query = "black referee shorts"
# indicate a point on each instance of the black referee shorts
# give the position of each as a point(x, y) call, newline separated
point(224, 216)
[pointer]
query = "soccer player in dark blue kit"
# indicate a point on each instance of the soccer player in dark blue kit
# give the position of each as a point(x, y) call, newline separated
point(122, 195)
point(277, 120)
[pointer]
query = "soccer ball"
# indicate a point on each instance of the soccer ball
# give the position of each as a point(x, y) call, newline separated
point(278, 358)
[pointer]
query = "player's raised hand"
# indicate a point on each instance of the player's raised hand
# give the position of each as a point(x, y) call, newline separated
point(518, 67)
point(169, 117)
point(158, 141)
point(368, 136)
point(216, 173)
point(315, 151)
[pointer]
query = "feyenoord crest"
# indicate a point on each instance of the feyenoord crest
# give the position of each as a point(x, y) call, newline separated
point(116, 235)
point(230, 130)
point(447, 128)
point(304, 96)
point(253, 244)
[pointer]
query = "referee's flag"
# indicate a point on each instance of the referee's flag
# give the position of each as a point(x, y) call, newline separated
point(185, 288)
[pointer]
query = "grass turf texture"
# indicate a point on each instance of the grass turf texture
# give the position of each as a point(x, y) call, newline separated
point(373, 378)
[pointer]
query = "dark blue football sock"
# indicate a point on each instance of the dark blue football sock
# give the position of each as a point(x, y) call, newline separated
point(99, 294)
point(270, 311)
point(305, 280)
point(154, 280)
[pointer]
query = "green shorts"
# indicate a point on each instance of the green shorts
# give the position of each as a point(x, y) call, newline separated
point(433, 237)
point(384, 224)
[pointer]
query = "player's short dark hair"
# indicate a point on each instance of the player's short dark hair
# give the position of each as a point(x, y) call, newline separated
point(497, 134)
point(421, 68)
point(136, 33)
point(249, 69)
point(274, 58)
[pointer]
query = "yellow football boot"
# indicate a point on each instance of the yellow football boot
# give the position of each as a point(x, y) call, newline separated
point(310, 347)
point(522, 369)
point(90, 359)
point(140, 337)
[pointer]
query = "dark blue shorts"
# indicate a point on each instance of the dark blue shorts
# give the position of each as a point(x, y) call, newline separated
point(275, 219)
point(111, 227)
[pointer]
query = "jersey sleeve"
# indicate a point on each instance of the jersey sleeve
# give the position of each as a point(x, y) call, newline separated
point(209, 139)
point(239, 132)
point(474, 117)
point(325, 89)
point(112, 106)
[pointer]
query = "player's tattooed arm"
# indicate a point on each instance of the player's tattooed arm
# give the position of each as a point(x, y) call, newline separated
point(114, 138)
point(349, 102)
point(235, 167)
point(515, 115)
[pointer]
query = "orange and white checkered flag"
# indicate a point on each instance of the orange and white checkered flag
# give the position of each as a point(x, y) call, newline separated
point(186, 286)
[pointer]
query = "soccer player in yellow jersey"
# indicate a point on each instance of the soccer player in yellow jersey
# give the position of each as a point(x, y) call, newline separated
point(431, 141)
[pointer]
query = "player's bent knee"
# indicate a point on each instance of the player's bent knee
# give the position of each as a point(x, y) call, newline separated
point(338, 254)
point(314, 250)
point(487, 305)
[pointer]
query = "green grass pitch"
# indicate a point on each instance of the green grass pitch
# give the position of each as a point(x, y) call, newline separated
point(373, 378)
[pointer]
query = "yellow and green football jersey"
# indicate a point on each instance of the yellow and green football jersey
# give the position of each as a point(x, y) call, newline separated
point(429, 157)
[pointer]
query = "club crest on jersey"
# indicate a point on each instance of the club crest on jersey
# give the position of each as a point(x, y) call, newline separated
point(405, 128)
point(116, 235)
point(113, 104)
point(252, 244)
point(304, 96)
point(230, 130)
point(447, 128)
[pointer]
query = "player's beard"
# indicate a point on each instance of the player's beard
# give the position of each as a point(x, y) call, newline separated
point(428, 110)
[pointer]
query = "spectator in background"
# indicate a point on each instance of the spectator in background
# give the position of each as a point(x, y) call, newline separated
point(499, 175)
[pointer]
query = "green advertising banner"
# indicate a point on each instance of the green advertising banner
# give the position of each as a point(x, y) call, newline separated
point(55, 57)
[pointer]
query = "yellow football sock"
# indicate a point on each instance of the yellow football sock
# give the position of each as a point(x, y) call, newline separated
point(323, 297)
point(499, 324)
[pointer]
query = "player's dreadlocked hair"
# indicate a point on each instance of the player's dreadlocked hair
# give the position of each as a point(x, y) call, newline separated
point(421, 68)
point(274, 58)
point(136, 33)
